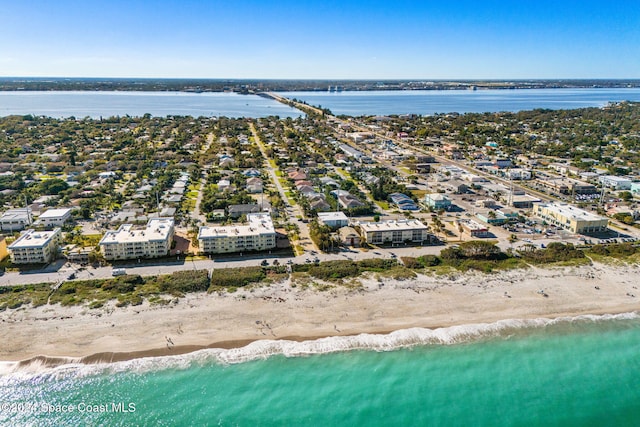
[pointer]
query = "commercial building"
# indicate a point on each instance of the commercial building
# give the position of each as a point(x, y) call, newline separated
point(615, 182)
point(437, 201)
point(35, 247)
point(258, 235)
point(474, 228)
point(392, 232)
point(16, 219)
point(567, 186)
point(333, 219)
point(153, 241)
point(570, 217)
point(54, 217)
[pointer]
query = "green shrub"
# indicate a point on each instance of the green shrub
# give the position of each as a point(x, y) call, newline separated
point(376, 264)
point(236, 277)
point(184, 281)
point(334, 270)
point(411, 262)
point(429, 260)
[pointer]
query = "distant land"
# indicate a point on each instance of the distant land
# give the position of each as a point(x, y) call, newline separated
point(261, 85)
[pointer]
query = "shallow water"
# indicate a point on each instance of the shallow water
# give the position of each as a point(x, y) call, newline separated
point(579, 371)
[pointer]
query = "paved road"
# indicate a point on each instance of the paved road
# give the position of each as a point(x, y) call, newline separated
point(60, 271)
point(293, 210)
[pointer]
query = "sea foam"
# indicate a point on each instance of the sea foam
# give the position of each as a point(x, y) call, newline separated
point(40, 368)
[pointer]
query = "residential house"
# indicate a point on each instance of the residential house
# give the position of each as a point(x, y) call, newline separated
point(437, 201)
point(236, 211)
point(349, 236)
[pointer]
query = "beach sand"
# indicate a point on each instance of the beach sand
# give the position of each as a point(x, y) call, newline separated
point(282, 311)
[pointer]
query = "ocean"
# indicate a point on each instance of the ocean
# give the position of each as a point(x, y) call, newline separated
point(429, 102)
point(580, 371)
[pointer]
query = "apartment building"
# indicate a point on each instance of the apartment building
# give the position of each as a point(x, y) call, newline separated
point(258, 235)
point(35, 247)
point(153, 241)
point(570, 218)
point(394, 231)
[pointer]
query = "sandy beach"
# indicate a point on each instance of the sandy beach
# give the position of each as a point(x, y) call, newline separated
point(283, 311)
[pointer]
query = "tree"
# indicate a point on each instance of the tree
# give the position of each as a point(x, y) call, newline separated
point(625, 195)
point(53, 186)
point(479, 249)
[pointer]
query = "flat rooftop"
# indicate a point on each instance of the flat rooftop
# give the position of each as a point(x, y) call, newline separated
point(573, 212)
point(259, 224)
point(55, 213)
point(34, 239)
point(15, 214)
point(332, 216)
point(392, 225)
point(157, 229)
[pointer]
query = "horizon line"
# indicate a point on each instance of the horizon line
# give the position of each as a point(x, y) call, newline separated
point(334, 79)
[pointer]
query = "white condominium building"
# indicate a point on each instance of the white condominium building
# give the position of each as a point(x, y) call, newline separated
point(35, 247)
point(151, 242)
point(258, 235)
point(386, 232)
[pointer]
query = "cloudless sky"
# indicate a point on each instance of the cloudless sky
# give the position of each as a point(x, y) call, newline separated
point(367, 39)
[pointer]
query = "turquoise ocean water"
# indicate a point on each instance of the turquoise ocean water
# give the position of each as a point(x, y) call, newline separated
point(573, 372)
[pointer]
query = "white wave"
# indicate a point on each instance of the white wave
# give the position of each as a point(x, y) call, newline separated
point(264, 349)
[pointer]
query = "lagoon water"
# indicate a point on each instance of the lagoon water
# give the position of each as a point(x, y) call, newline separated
point(574, 372)
point(424, 102)
point(428, 102)
point(61, 104)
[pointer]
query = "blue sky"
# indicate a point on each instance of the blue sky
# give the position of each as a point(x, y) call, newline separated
point(327, 39)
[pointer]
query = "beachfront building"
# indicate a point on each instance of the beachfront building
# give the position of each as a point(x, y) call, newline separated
point(153, 241)
point(394, 232)
point(333, 219)
point(437, 201)
point(16, 219)
point(54, 217)
point(35, 247)
point(570, 218)
point(258, 235)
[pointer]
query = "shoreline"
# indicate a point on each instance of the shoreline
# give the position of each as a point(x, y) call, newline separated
point(125, 356)
point(54, 335)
